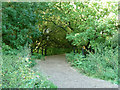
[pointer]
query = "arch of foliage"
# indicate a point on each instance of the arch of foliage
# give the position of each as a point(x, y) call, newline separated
point(49, 23)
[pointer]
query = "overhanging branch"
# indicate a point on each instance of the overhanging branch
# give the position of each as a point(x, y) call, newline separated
point(56, 24)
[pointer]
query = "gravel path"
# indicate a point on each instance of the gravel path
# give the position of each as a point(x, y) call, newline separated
point(64, 76)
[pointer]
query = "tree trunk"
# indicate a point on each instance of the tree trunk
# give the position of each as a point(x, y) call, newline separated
point(38, 49)
point(83, 52)
point(77, 50)
point(45, 51)
point(42, 50)
point(74, 50)
point(31, 50)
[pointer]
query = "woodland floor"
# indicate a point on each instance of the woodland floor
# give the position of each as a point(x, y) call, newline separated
point(63, 75)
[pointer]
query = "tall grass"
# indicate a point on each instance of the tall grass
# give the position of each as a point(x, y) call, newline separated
point(102, 64)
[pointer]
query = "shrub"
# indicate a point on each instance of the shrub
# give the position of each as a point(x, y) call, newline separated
point(32, 63)
point(56, 51)
point(36, 56)
point(102, 64)
point(17, 74)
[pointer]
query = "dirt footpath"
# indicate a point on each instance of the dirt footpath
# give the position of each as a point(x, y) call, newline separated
point(63, 75)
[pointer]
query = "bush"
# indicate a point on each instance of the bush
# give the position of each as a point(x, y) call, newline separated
point(32, 63)
point(56, 51)
point(36, 56)
point(17, 74)
point(102, 64)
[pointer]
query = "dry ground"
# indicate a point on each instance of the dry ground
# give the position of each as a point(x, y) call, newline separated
point(63, 75)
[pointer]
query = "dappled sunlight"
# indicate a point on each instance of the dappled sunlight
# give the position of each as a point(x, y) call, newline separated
point(64, 40)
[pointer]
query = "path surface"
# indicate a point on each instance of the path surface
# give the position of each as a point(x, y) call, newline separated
point(64, 76)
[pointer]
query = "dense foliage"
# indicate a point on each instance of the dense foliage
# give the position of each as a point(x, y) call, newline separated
point(46, 24)
point(103, 64)
point(98, 23)
point(20, 25)
point(57, 51)
point(55, 28)
point(16, 71)
point(26, 24)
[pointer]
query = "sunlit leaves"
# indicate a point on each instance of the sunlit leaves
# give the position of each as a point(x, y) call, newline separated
point(92, 20)
point(97, 21)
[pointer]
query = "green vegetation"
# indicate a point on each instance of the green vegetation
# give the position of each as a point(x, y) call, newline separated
point(17, 72)
point(102, 64)
point(56, 51)
point(49, 28)
point(36, 56)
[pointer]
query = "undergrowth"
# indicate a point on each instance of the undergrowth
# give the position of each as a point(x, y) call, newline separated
point(16, 71)
point(56, 51)
point(102, 64)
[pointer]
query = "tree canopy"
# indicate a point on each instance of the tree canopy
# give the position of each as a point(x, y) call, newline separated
point(59, 24)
